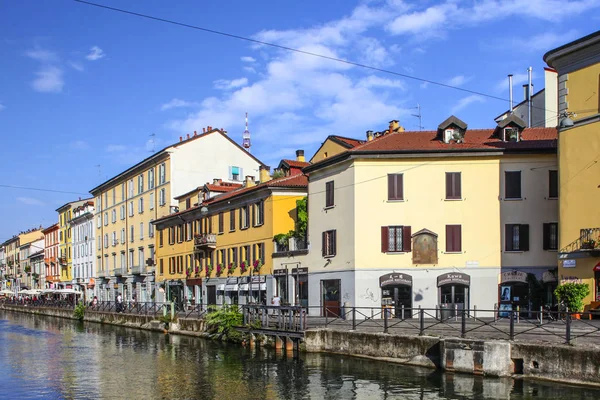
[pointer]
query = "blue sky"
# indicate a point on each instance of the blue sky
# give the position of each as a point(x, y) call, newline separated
point(82, 88)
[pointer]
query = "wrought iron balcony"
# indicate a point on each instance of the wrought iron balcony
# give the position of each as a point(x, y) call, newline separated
point(589, 240)
point(294, 246)
point(205, 240)
point(62, 261)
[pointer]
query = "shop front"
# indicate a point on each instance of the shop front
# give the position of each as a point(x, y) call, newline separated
point(550, 282)
point(253, 289)
point(194, 288)
point(330, 297)
point(513, 293)
point(175, 293)
point(232, 291)
point(396, 294)
point(453, 293)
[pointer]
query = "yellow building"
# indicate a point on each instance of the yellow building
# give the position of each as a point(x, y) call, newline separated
point(578, 66)
point(65, 246)
point(127, 204)
point(334, 144)
point(220, 251)
point(15, 275)
point(431, 219)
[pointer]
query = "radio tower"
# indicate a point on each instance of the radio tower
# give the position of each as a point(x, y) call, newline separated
point(246, 136)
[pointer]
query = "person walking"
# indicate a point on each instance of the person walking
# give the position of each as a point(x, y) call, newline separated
point(119, 303)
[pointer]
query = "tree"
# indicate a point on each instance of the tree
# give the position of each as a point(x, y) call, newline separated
point(573, 294)
point(302, 217)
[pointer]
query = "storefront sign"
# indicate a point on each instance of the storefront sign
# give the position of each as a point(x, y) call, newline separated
point(232, 281)
point(193, 282)
point(569, 263)
point(279, 272)
point(243, 279)
point(570, 279)
point(548, 277)
point(454, 278)
point(300, 271)
point(395, 279)
point(513, 276)
point(259, 279)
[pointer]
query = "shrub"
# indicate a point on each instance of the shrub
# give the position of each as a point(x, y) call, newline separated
point(79, 311)
point(573, 294)
point(223, 321)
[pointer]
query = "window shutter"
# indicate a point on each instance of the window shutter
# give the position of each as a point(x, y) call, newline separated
point(262, 252)
point(546, 237)
point(334, 242)
point(508, 239)
point(391, 187)
point(553, 184)
point(400, 186)
point(241, 226)
point(457, 185)
point(323, 244)
point(385, 245)
point(449, 229)
point(253, 220)
point(448, 189)
point(241, 172)
point(406, 238)
point(524, 237)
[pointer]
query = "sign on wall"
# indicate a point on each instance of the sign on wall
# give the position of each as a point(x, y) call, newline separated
point(513, 276)
point(569, 263)
point(395, 279)
point(454, 278)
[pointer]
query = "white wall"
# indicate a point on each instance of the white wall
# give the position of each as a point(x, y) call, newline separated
point(79, 230)
point(201, 160)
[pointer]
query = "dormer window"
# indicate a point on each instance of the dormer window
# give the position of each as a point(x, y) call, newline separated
point(511, 135)
point(448, 135)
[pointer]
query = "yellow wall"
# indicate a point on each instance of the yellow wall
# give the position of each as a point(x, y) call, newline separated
point(328, 149)
point(582, 97)
point(65, 244)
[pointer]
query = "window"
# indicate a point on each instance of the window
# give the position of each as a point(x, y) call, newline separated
point(131, 233)
point(160, 238)
point(131, 258)
point(553, 184)
point(180, 264)
point(131, 208)
point(122, 235)
point(141, 231)
point(141, 260)
point(395, 239)
point(188, 231)
point(122, 260)
point(234, 255)
point(511, 135)
point(99, 224)
point(179, 233)
point(105, 240)
point(151, 202)
point(162, 173)
point(114, 216)
point(221, 222)
point(114, 196)
point(171, 235)
point(141, 205)
point(171, 265)
point(244, 217)
point(151, 179)
point(516, 237)
point(231, 220)
point(550, 236)
point(114, 238)
point(188, 203)
point(141, 184)
point(105, 199)
point(151, 229)
point(453, 239)
point(235, 173)
point(123, 192)
point(161, 266)
point(329, 200)
point(259, 213)
point(162, 197)
point(105, 218)
point(123, 212)
point(453, 189)
point(130, 184)
point(395, 186)
point(329, 243)
point(98, 202)
point(512, 184)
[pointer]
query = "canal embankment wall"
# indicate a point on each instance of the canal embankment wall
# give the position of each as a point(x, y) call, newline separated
point(499, 358)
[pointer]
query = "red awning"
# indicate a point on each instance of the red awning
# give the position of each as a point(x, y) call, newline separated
point(597, 267)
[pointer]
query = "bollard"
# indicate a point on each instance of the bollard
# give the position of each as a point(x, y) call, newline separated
point(463, 324)
point(421, 321)
point(385, 321)
point(512, 326)
point(568, 333)
point(402, 315)
point(475, 312)
point(353, 318)
point(495, 312)
point(172, 311)
point(455, 312)
point(518, 314)
point(541, 315)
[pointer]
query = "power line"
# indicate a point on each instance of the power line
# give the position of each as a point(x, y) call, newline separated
point(41, 190)
point(309, 53)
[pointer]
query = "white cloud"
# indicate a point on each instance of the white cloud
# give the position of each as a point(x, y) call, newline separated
point(375, 81)
point(518, 80)
point(30, 201)
point(177, 103)
point(373, 53)
point(250, 69)
point(466, 101)
point(115, 148)
point(96, 53)
point(458, 80)
point(224, 84)
point(248, 59)
point(79, 145)
point(42, 55)
point(2, 107)
point(76, 66)
point(422, 22)
point(49, 80)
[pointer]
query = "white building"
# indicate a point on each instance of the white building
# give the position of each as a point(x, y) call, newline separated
point(84, 251)
point(2, 267)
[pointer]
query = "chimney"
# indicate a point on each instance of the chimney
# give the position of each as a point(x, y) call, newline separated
point(195, 133)
point(180, 138)
point(224, 132)
point(393, 125)
point(526, 92)
point(510, 94)
point(188, 135)
point(369, 136)
point(249, 181)
point(203, 130)
point(264, 173)
point(300, 155)
point(217, 181)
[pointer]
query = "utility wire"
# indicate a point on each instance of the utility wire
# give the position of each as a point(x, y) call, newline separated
point(41, 190)
point(309, 53)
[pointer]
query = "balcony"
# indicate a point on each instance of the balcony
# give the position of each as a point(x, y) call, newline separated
point(139, 270)
point(588, 244)
point(119, 271)
point(62, 261)
point(205, 240)
point(101, 274)
point(293, 247)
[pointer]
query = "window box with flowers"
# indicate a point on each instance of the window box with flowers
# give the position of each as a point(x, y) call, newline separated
point(208, 270)
point(244, 266)
point(220, 269)
point(231, 268)
point(257, 266)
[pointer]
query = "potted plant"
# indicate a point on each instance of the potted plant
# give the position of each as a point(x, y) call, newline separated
point(257, 265)
point(243, 266)
point(588, 244)
point(208, 270)
point(572, 294)
point(219, 269)
point(231, 268)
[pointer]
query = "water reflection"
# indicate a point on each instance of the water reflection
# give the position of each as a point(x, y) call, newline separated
point(53, 358)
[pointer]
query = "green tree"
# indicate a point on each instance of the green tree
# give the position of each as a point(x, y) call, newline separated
point(301, 217)
point(573, 294)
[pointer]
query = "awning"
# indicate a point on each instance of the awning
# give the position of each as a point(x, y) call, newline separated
point(255, 286)
point(597, 267)
point(220, 288)
point(231, 288)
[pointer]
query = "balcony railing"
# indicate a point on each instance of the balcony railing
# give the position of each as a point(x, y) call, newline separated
point(101, 274)
point(589, 240)
point(293, 246)
point(62, 260)
point(139, 269)
point(119, 271)
point(205, 240)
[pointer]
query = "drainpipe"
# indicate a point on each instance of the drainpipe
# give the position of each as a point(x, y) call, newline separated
point(529, 70)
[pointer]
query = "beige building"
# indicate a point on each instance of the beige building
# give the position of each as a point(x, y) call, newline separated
point(127, 204)
point(15, 275)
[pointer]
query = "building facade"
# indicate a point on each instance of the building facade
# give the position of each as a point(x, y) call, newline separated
point(221, 251)
point(51, 255)
point(578, 66)
point(127, 204)
point(38, 269)
point(29, 277)
point(65, 244)
point(84, 248)
point(2, 267)
point(434, 219)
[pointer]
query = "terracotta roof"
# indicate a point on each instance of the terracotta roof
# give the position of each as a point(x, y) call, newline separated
point(295, 163)
point(349, 141)
point(416, 142)
point(223, 187)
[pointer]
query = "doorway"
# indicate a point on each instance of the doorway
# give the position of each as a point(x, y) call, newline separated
point(330, 297)
point(453, 297)
point(211, 295)
point(399, 298)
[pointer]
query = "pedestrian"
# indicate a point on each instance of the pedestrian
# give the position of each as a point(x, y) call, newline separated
point(95, 301)
point(119, 303)
point(276, 300)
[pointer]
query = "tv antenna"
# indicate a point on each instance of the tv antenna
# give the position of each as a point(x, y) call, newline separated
point(418, 115)
point(153, 135)
point(99, 170)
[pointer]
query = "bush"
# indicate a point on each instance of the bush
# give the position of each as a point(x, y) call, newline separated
point(573, 294)
point(79, 311)
point(222, 322)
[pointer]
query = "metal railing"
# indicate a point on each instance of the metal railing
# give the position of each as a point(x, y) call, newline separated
point(205, 239)
point(281, 318)
point(589, 239)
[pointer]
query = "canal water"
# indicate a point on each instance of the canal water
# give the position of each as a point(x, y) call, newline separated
point(48, 358)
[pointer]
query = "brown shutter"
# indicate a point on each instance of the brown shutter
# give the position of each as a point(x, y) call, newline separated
point(524, 237)
point(449, 230)
point(553, 184)
point(508, 241)
point(240, 217)
point(324, 240)
point(546, 237)
point(406, 238)
point(391, 186)
point(253, 221)
point(448, 185)
point(385, 245)
point(262, 253)
point(400, 186)
point(334, 242)
point(458, 237)
point(457, 185)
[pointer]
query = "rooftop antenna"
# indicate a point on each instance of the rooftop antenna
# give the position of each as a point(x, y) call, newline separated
point(246, 137)
point(418, 115)
point(153, 135)
point(99, 170)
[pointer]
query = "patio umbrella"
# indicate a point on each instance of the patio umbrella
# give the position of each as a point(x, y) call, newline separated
point(6, 291)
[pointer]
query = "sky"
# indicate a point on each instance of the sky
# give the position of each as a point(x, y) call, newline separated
point(87, 92)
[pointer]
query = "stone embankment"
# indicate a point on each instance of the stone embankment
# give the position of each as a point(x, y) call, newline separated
point(499, 358)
